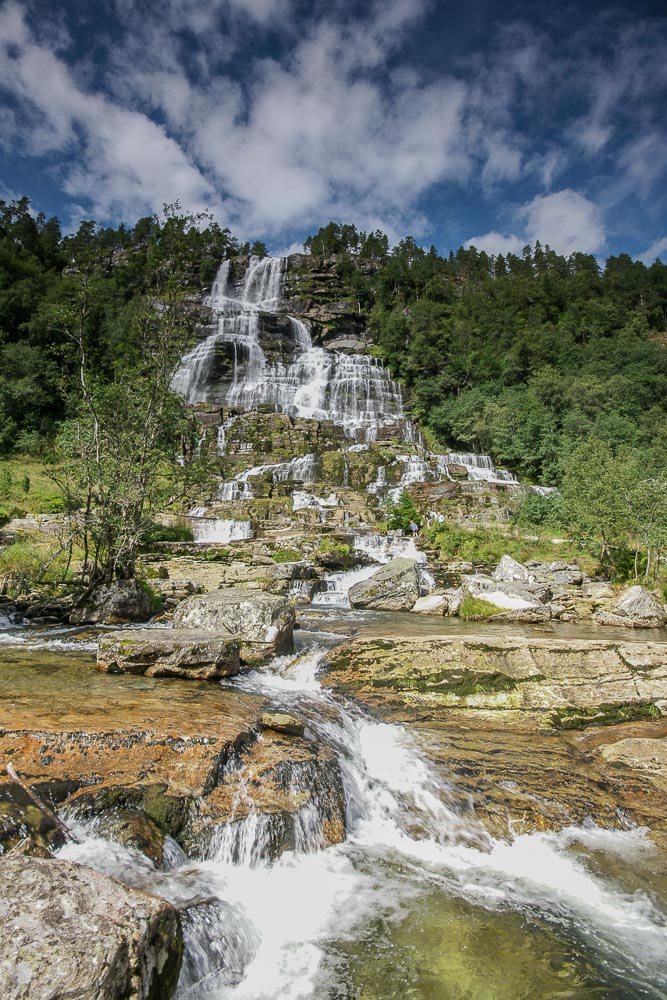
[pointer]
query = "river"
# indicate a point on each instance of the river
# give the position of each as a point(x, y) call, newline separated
point(420, 901)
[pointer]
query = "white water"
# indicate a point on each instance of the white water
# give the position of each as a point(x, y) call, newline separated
point(268, 936)
point(210, 530)
point(353, 391)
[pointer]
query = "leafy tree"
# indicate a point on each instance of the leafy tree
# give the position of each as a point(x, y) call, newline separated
point(403, 514)
point(129, 447)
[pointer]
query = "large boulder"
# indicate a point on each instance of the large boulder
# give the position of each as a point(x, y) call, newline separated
point(168, 652)
point(508, 596)
point(509, 570)
point(635, 608)
point(113, 604)
point(262, 624)
point(395, 587)
point(67, 931)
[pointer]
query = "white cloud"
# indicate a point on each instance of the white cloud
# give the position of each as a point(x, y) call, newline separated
point(657, 250)
point(494, 243)
point(565, 220)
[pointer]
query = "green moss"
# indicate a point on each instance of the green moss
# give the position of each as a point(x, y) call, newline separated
point(461, 684)
point(603, 715)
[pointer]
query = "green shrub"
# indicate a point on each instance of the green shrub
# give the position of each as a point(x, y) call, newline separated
point(167, 533)
point(402, 514)
point(22, 566)
point(285, 555)
point(51, 503)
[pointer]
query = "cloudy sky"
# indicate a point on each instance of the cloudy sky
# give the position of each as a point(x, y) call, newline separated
point(458, 121)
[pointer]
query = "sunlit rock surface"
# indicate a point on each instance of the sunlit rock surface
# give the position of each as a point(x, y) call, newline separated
point(68, 931)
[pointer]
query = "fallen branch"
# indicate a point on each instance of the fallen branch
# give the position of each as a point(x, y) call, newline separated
point(42, 806)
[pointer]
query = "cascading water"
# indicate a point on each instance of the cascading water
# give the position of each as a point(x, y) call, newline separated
point(267, 929)
point(231, 365)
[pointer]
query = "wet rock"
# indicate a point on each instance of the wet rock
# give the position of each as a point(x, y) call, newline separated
point(112, 604)
point(282, 723)
point(23, 825)
point(105, 746)
point(395, 587)
point(527, 616)
point(262, 623)
point(288, 788)
point(168, 652)
point(635, 608)
point(132, 828)
point(67, 931)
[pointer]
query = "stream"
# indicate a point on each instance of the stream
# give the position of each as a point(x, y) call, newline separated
point(419, 902)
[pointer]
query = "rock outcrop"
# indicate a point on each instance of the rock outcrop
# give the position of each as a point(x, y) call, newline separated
point(168, 652)
point(67, 931)
point(113, 604)
point(634, 608)
point(261, 623)
point(394, 587)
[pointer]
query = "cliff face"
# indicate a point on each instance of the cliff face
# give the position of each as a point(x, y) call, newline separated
point(316, 292)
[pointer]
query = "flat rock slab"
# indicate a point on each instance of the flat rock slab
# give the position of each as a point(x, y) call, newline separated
point(168, 652)
point(492, 672)
point(97, 742)
point(67, 931)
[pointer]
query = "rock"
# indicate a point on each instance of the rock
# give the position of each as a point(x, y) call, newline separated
point(67, 931)
point(548, 675)
point(280, 777)
point(636, 608)
point(112, 604)
point(168, 652)
point(510, 571)
point(282, 723)
point(503, 595)
point(528, 616)
point(434, 604)
point(262, 623)
point(395, 587)
point(23, 823)
point(598, 590)
point(103, 746)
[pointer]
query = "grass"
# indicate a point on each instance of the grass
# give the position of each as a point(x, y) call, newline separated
point(24, 564)
point(285, 554)
point(25, 488)
point(474, 609)
point(489, 545)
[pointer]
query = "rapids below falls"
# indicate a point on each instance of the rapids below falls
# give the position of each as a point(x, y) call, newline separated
point(419, 902)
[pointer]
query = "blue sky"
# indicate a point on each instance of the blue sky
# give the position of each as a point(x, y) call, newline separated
point(477, 121)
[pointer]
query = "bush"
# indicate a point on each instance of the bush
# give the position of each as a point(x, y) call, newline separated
point(402, 514)
point(285, 555)
point(167, 533)
point(22, 566)
point(537, 510)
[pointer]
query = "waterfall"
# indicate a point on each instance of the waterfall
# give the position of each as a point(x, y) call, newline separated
point(480, 468)
point(256, 355)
